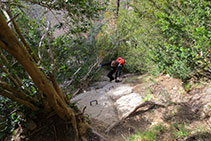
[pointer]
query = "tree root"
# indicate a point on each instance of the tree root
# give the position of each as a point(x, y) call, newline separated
point(84, 129)
point(150, 103)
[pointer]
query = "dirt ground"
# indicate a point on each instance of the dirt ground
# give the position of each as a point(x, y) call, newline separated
point(186, 104)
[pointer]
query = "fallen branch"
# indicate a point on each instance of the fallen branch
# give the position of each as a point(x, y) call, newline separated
point(72, 78)
point(90, 70)
point(102, 138)
point(152, 104)
point(94, 75)
point(76, 92)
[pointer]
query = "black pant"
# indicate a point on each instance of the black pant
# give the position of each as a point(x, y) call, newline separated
point(113, 70)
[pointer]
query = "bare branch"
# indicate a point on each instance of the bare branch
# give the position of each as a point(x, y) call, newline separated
point(40, 42)
point(16, 92)
point(90, 70)
point(22, 38)
point(53, 74)
point(9, 75)
point(15, 78)
point(11, 96)
point(72, 78)
point(13, 18)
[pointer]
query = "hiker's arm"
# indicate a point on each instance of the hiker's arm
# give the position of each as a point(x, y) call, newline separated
point(106, 64)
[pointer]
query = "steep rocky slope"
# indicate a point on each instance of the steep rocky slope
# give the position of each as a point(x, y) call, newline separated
point(140, 102)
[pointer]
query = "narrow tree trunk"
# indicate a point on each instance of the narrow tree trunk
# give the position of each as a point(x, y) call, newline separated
point(117, 9)
point(53, 75)
point(22, 38)
point(10, 43)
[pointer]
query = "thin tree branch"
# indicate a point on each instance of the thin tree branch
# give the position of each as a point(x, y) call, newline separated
point(18, 93)
point(90, 70)
point(11, 96)
point(53, 74)
point(9, 75)
point(42, 38)
point(13, 18)
point(15, 78)
point(22, 38)
point(72, 78)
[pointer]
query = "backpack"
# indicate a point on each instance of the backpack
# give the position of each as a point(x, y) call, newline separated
point(120, 60)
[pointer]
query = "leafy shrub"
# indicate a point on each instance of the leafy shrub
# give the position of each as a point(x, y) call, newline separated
point(163, 36)
point(9, 117)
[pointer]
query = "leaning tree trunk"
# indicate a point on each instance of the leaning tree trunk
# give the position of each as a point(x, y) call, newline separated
point(10, 43)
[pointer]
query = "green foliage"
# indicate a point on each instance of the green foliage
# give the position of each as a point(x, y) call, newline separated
point(185, 29)
point(180, 131)
point(9, 116)
point(72, 54)
point(163, 36)
point(148, 135)
point(70, 51)
point(157, 132)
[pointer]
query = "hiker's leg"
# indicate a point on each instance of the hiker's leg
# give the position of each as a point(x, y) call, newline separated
point(110, 73)
point(118, 72)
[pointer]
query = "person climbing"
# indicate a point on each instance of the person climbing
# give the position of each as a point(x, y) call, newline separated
point(116, 66)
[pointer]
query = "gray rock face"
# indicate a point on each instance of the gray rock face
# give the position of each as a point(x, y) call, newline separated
point(119, 92)
point(127, 104)
point(109, 103)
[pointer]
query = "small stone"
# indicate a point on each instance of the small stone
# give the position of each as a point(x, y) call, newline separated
point(175, 88)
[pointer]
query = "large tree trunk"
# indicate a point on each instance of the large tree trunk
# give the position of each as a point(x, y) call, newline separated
point(10, 43)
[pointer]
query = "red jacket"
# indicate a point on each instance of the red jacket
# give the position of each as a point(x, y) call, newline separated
point(120, 60)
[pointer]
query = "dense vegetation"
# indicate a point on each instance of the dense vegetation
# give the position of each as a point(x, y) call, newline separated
point(155, 36)
point(163, 36)
point(33, 58)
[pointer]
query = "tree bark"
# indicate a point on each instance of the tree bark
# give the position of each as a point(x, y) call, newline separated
point(117, 9)
point(10, 43)
point(22, 38)
point(53, 75)
point(16, 92)
point(16, 80)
